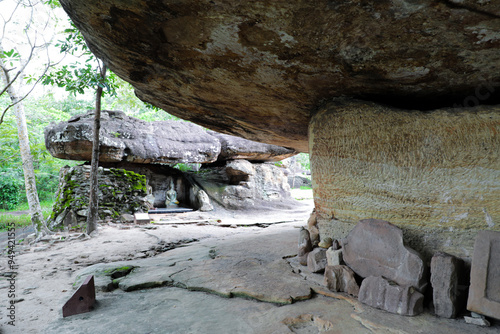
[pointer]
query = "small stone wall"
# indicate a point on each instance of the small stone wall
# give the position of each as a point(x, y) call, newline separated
point(120, 191)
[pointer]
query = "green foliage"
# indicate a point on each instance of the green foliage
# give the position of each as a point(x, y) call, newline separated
point(39, 113)
point(10, 56)
point(303, 159)
point(185, 167)
point(80, 76)
point(23, 219)
point(10, 193)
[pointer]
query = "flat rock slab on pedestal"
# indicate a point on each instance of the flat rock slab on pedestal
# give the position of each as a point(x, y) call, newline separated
point(375, 248)
point(484, 291)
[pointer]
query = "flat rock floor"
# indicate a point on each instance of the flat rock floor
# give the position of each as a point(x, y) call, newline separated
point(201, 277)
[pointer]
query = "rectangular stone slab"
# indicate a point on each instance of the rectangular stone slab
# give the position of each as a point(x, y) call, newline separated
point(142, 218)
point(82, 300)
point(484, 291)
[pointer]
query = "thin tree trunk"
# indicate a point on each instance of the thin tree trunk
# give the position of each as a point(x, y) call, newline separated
point(94, 186)
point(29, 172)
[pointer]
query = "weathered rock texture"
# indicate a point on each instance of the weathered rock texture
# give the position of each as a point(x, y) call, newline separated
point(383, 294)
point(120, 191)
point(244, 185)
point(316, 260)
point(376, 248)
point(445, 272)
point(128, 139)
point(341, 278)
point(435, 174)
point(484, 290)
point(159, 179)
point(239, 148)
point(258, 68)
point(305, 246)
point(125, 138)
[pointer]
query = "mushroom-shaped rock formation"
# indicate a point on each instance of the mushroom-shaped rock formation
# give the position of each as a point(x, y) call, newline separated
point(375, 90)
point(258, 69)
point(128, 139)
point(125, 138)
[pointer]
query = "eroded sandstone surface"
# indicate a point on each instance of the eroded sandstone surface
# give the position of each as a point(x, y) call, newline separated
point(128, 139)
point(435, 174)
point(258, 69)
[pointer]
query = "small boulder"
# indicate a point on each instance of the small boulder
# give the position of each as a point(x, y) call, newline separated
point(316, 260)
point(334, 257)
point(341, 279)
point(375, 248)
point(325, 243)
point(391, 297)
point(313, 228)
point(203, 201)
point(239, 171)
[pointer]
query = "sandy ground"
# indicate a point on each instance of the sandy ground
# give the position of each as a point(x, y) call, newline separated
point(46, 270)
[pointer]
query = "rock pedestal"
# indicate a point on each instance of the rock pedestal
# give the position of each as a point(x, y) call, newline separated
point(434, 174)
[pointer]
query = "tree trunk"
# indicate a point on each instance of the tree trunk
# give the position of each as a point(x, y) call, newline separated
point(29, 172)
point(94, 186)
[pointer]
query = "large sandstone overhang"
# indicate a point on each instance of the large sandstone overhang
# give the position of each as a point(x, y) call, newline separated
point(260, 69)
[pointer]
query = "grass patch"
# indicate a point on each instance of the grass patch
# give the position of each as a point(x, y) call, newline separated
point(22, 220)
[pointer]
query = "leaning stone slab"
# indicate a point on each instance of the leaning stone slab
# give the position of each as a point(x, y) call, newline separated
point(445, 271)
point(375, 248)
point(305, 246)
point(383, 294)
point(341, 278)
point(484, 290)
point(316, 260)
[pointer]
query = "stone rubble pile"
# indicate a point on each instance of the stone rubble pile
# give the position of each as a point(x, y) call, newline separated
point(119, 191)
point(395, 277)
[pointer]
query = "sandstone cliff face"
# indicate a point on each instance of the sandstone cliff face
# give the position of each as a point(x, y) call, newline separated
point(258, 69)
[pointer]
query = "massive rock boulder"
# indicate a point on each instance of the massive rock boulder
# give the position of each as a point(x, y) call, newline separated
point(258, 69)
point(128, 139)
point(125, 138)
